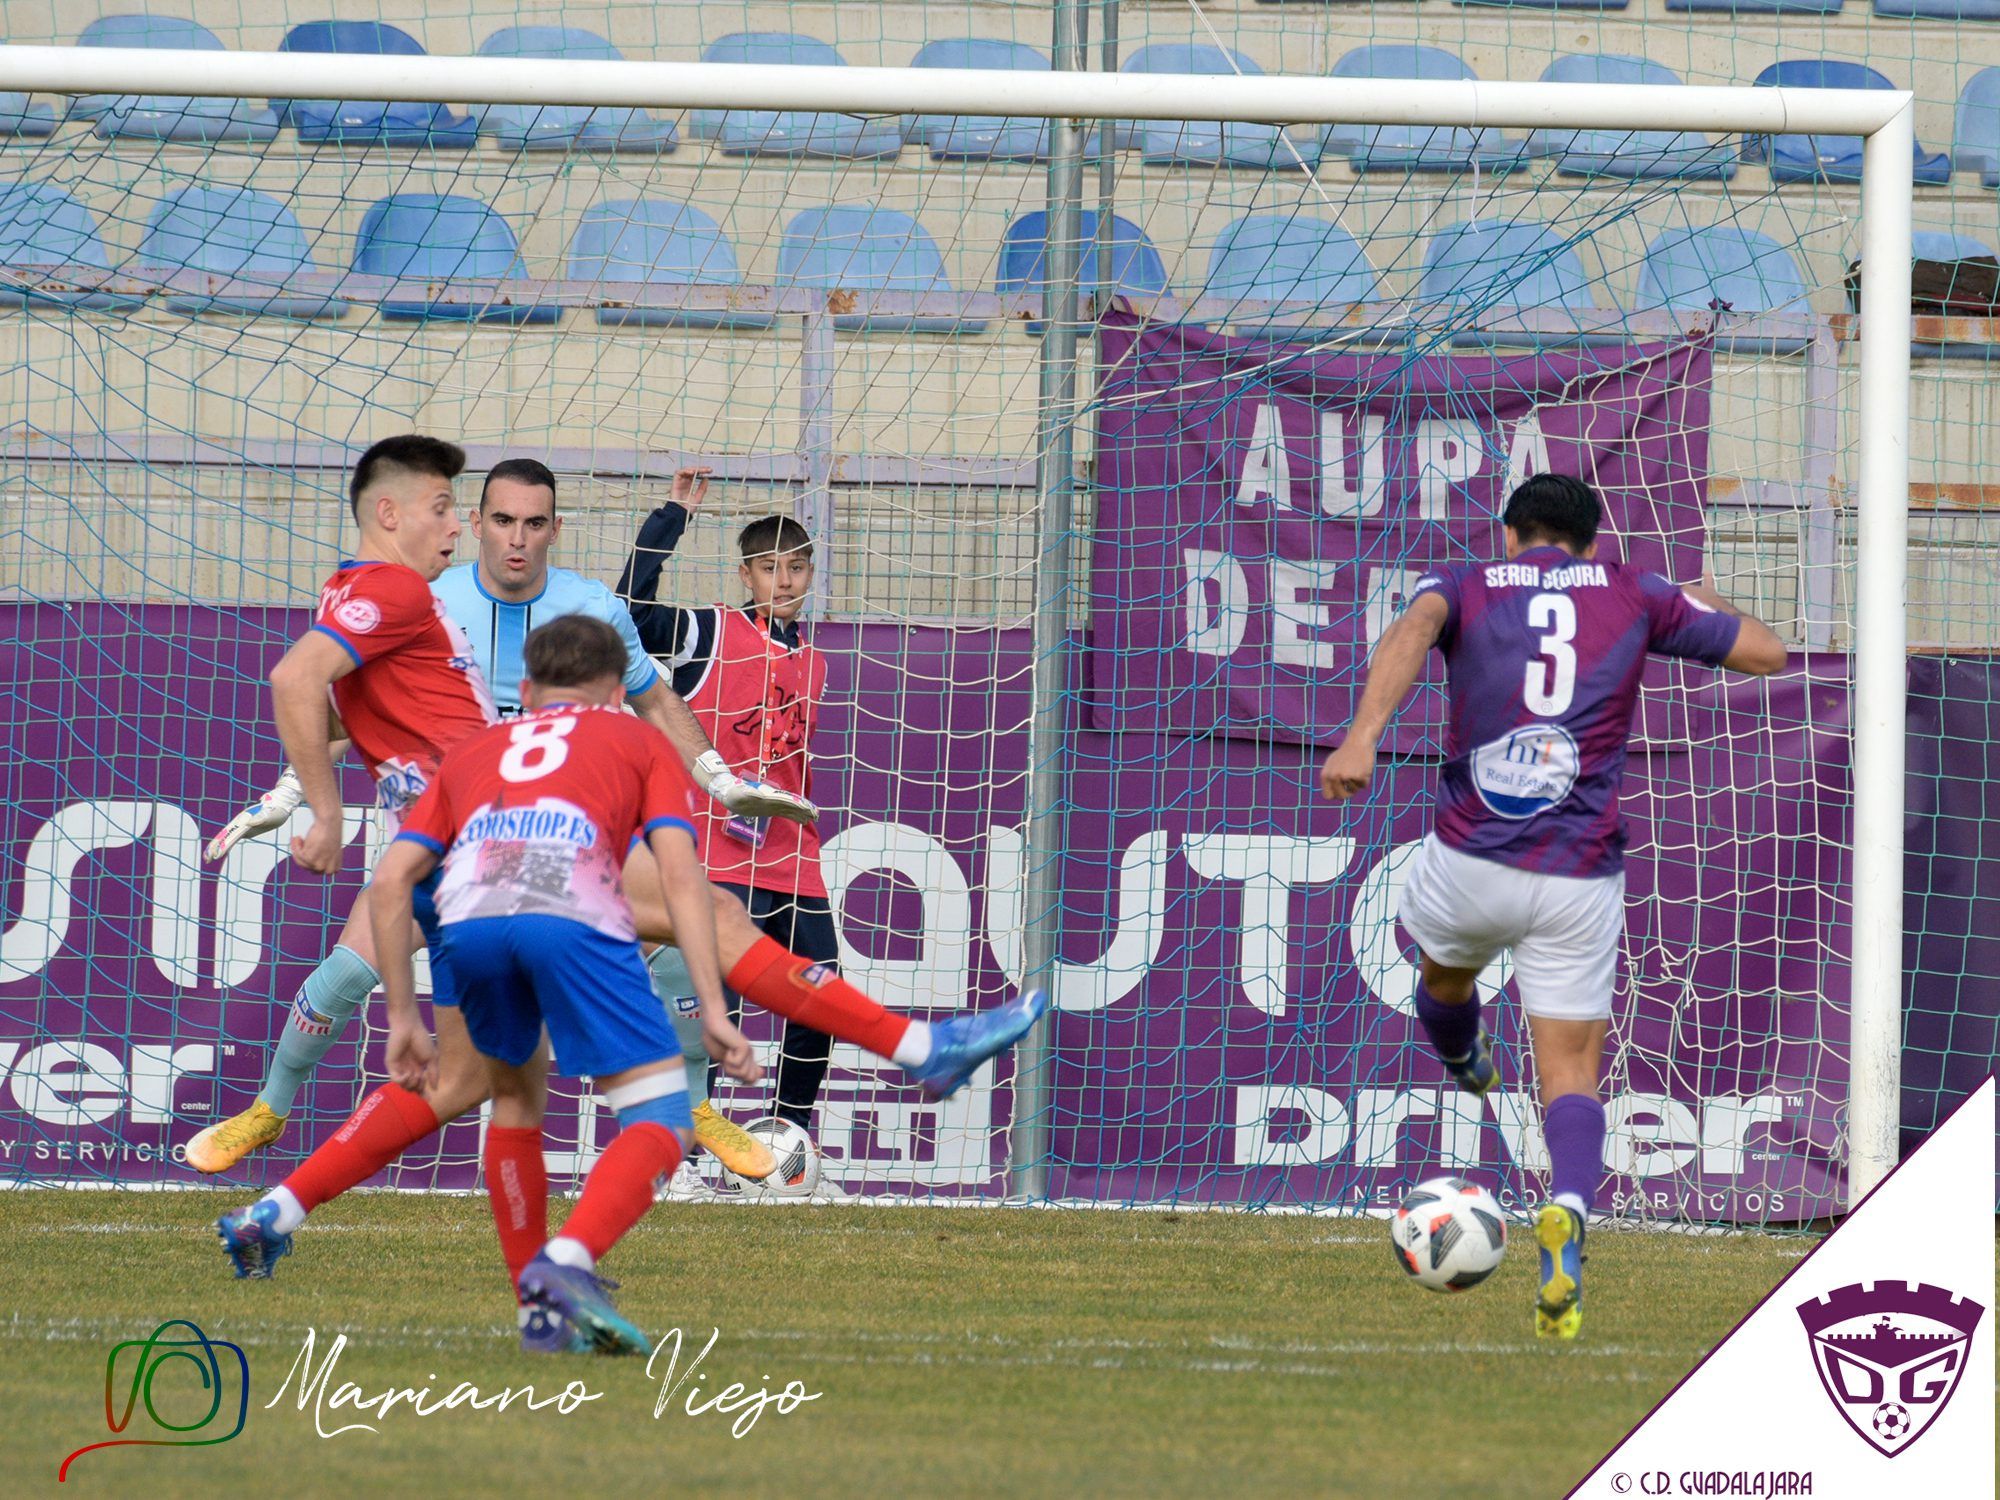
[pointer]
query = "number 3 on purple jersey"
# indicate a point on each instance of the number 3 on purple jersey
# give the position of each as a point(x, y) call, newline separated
point(1550, 681)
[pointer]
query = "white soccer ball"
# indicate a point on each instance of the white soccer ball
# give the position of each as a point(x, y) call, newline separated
point(797, 1172)
point(1449, 1234)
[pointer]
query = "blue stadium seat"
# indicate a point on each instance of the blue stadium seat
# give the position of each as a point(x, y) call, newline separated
point(1975, 136)
point(21, 119)
point(1942, 244)
point(1135, 265)
point(1826, 158)
point(863, 248)
point(1503, 263)
point(1625, 153)
point(1287, 258)
point(1551, 4)
point(653, 239)
point(1687, 269)
point(1415, 148)
point(432, 237)
point(160, 117)
point(1942, 10)
point(43, 226)
point(767, 132)
point(1211, 143)
point(979, 137)
point(1758, 7)
point(566, 127)
point(369, 122)
point(239, 233)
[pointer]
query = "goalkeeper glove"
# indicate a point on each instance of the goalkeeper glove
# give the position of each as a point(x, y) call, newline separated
point(747, 796)
point(267, 812)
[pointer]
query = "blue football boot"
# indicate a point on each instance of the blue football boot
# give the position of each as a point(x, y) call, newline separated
point(1475, 1072)
point(583, 1304)
point(546, 1331)
point(959, 1045)
point(254, 1248)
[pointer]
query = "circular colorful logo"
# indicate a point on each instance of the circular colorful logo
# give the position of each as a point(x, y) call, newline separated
point(1526, 771)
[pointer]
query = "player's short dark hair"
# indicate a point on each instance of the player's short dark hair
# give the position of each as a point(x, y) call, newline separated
point(521, 471)
point(773, 536)
point(410, 452)
point(572, 650)
point(1554, 508)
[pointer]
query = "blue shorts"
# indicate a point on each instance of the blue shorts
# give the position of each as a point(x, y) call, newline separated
point(424, 899)
point(515, 975)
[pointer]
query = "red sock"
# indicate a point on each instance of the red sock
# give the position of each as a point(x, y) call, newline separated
point(517, 1180)
point(787, 985)
point(619, 1189)
point(389, 1122)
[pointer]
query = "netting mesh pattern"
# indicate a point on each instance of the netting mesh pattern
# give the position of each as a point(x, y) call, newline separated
point(206, 308)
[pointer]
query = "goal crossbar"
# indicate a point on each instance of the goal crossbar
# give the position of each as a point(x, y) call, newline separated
point(881, 91)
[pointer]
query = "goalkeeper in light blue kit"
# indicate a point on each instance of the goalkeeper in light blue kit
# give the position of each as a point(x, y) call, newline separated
point(496, 601)
point(1543, 657)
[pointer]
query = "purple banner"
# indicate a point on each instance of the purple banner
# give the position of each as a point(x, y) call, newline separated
point(1234, 987)
point(141, 991)
point(1264, 508)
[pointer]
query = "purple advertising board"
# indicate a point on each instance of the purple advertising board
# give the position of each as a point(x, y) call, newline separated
point(1233, 991)
point(1264, 507)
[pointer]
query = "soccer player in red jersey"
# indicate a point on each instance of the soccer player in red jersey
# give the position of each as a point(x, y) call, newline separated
point(531, 820)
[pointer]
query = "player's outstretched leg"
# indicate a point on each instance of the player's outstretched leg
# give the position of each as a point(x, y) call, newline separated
point(387, 1123)
point(1454, 1027)
point(940, 1057)
point(324, 1005)
point(714, 1132)
point(654, 1122)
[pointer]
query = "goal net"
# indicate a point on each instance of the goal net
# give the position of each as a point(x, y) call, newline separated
point(1085, 655)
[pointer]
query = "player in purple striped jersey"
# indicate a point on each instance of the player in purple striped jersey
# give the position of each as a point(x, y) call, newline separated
point(1543, 657)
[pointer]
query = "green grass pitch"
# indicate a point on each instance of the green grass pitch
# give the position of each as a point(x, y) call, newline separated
point(953, 1352)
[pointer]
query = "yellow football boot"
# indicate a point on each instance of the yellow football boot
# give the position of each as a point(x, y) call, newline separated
point(221, 1147)
point(732, 1145)
point(1559, 1303)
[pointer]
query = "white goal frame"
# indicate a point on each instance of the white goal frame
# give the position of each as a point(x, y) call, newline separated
point(1883, 118)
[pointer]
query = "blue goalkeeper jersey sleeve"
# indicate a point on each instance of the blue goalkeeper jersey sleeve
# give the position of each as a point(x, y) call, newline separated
point(497, 628)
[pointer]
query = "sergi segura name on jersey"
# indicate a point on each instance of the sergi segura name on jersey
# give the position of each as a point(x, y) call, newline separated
point(1528, 576)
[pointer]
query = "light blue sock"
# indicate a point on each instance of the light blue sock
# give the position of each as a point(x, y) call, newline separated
point(675, 987)
point(325, 1003)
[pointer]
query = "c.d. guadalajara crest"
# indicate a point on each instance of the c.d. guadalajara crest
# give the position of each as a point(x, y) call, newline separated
point(1890, 1354)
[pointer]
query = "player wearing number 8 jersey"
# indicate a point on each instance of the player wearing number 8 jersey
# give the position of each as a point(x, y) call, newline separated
point(1544, 653)
point(532, 821)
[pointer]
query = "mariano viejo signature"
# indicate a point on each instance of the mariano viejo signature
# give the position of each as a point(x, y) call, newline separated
point(319, 1390)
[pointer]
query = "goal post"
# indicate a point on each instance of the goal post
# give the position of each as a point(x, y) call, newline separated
point(1066, 97)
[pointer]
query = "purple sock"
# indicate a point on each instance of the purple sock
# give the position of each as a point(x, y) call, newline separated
point(1574, 1128)
point(1452, 1028)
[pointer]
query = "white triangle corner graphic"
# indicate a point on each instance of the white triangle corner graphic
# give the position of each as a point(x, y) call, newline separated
point(1867, 1371)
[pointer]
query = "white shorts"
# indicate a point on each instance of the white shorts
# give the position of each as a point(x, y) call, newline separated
point(1563, 932)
